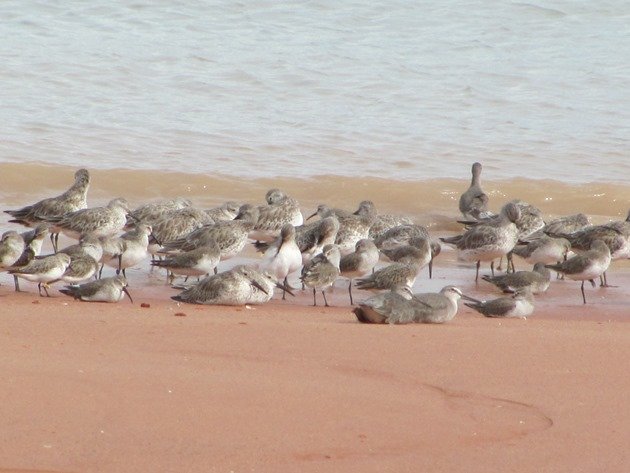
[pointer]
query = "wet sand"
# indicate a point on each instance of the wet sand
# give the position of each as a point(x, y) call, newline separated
point(290, 387)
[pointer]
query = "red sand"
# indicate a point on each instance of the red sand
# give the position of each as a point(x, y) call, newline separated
point(288, 387)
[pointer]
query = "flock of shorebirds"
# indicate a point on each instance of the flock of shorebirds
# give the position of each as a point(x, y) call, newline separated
point(191, 242)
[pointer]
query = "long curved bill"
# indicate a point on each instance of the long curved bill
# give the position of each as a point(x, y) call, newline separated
point(257, 285)
point(471, 299)
point(128, 295)
point(284, 287)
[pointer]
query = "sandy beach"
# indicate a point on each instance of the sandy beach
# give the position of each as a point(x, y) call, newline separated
point(157, 386)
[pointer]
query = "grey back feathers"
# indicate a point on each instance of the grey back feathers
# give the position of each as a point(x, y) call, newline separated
point(399, 307)
point(520, 304)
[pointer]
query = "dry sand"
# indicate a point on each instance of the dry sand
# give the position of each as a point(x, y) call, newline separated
point(288, 387)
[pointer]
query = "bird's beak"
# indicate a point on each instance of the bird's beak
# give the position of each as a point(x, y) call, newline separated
point(127, 292)
point(472, 299)
point(256, 284)
point(153, 238)
point(285, 288)
point(311, 216)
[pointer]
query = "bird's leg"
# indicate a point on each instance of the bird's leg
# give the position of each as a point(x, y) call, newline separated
point(582, 289)
point(350, 292)
point(325, 301)
point(603, 281)
point(52, 241)
point(510, 263)
point(314, 298)
point(477, 274)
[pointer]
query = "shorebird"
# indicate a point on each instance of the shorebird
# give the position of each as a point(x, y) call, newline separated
point(128, 249)
point(520, 304)
point(280, 210)
point(428, 251)
point(197, 262)
point(400, 235)
point(85, 257)
point(385, 222)
point(529, 222)
point(230, 235)
point(322, 271)
point(33, 241)
point(263, 285)
point(89, 245)
point(359, 263)
point(75, 198)
point(436, 308)
point(395, 307)
point(175, 226)
point(474, 202)
point(355, 227)
point(544, 249)
point(43, 271)
point(615, 234)
point(226, 211)
point(402, 273)
point(151, 212)
point(81, 268)
point(313, 237)
point(11, 248)
point(567, 224)
point(352, 226)
point(13, 252)
point(97, 221)
point(102, 290)
point(283, 257)
point(487, 242)
point(386, 307)
point(27, 256)
point(237, 286)
point(537, 281)
point(324, 211)
point(586, 266)
point(35, 238)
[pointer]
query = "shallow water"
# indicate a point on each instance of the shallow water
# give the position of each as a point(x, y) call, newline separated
point(394, 90)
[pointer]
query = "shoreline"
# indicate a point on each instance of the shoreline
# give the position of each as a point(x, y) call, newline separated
point(430, 202)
